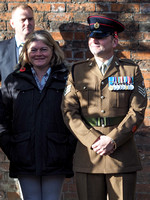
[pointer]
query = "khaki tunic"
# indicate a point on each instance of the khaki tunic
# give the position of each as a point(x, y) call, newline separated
point(87, 95)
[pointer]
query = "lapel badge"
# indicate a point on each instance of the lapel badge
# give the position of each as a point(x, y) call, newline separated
point(96, 25)
point(116, 63)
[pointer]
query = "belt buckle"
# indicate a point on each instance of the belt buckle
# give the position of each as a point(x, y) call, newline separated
point(103, 121)
point(99, 121)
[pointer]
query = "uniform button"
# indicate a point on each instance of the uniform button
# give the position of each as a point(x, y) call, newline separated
point(102, 97)
point(102, 83)
point(102, 111)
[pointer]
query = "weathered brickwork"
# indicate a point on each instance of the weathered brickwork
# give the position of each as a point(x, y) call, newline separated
point(66, 21)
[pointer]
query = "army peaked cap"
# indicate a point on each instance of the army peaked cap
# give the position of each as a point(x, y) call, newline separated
point(101, 26)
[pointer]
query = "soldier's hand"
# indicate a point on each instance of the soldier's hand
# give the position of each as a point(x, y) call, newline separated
point(103, 145)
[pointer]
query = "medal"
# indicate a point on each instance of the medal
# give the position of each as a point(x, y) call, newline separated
point(121, 83)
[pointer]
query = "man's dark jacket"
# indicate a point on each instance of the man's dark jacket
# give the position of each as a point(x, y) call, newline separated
point(8, 58)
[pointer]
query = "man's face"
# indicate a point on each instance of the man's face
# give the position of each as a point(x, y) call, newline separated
point(102, 47)
point(23, 22)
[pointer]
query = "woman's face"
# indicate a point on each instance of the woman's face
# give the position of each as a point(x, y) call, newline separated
point(39, 54)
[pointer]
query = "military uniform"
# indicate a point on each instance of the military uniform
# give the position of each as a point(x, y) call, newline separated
point(88, 96)
point(112, 104)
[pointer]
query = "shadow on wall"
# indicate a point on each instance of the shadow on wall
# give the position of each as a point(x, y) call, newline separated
point(75, 36)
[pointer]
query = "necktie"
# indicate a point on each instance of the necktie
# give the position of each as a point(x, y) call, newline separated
point(103, 68)
point(20, 47)
point(19, 51)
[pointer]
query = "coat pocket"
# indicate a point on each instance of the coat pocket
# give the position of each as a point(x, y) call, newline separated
point(21, 151)
point(56, 149)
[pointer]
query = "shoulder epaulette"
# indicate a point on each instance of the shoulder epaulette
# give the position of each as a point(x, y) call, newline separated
point(80, 62)
point(127, 61)
point(76, 63)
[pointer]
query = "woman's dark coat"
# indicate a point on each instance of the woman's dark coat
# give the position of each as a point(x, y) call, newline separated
point(33, 134)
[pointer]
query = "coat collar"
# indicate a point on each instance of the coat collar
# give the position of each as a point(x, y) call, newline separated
point(58, 73)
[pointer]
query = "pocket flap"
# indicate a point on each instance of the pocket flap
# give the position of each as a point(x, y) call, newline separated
point(20, 137)
point(58, 138)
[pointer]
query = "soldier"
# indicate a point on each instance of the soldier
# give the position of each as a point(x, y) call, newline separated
point(103, 105)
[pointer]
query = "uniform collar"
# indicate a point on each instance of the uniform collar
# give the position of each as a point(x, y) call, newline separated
point(107, 62)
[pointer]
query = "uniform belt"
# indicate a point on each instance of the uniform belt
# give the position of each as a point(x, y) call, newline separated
point(104, 121)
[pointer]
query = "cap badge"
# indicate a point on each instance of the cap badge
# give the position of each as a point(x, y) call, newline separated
point(96, 25)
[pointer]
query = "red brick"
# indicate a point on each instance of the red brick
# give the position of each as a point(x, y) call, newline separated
point(80, 36)
point(124, 54)
point(141, 17)
point(41, 6)
point(5, 16)
point(146, 36)
point(143, 55)
point(102, 7)
point(83, 7)
point(78, 54)
point(2, 25)
point(12, 5)
point(147, 121)
point(128, 7)
point(146, 75)
point(67, 36)
point(68, 54)
point(66, 17)
point(58, 7)
point(147, 112)
point(147, 83)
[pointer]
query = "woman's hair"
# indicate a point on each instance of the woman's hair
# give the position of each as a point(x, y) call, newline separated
point(46, 38)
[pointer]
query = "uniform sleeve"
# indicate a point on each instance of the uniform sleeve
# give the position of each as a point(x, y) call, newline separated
point(135, 114)
point(73, 118)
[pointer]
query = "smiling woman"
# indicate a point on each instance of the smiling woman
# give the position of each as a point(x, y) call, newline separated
point(39, 55)
point(36, 141)
point(42, 52)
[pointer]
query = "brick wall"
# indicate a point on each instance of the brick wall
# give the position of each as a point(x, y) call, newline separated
point(66, 20)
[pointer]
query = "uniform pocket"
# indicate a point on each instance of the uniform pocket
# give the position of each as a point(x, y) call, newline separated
point(119, 99)
point(87, 95)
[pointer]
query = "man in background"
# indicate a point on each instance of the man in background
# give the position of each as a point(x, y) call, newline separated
point(22, 21)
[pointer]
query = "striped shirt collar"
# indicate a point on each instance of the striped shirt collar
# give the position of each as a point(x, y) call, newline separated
point(41, 83)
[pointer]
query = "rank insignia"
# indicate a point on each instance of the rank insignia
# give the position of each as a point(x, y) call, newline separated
point(96, 25)
point(67, 90)
point(142, 91)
